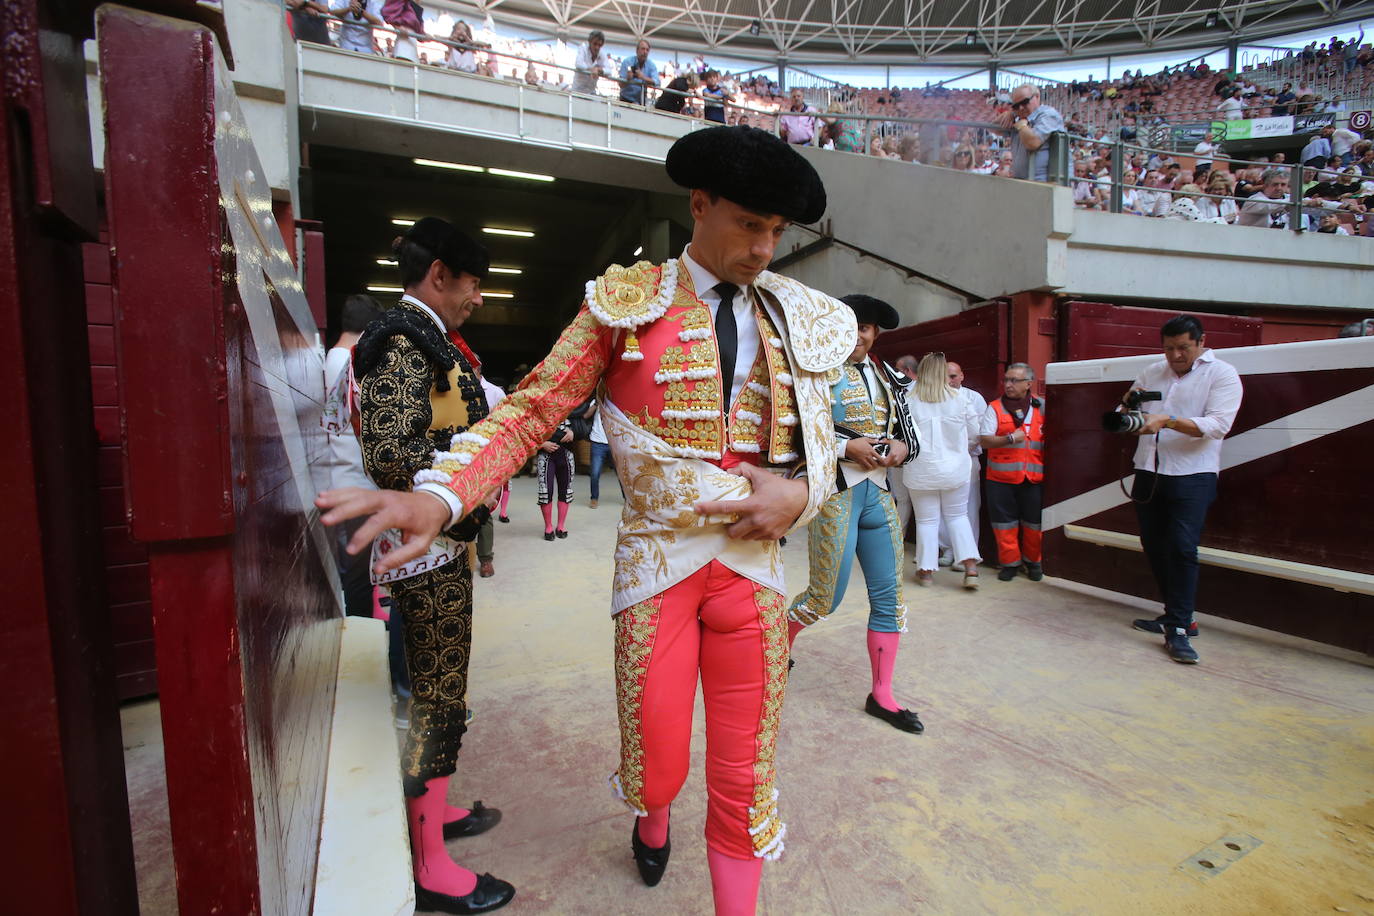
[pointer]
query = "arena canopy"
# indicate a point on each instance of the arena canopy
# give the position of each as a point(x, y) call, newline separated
point(955, 33)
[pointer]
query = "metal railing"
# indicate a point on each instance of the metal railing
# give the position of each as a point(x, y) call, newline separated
point(1297, 206)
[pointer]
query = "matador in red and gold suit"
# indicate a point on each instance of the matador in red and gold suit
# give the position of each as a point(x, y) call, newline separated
point(696, 375)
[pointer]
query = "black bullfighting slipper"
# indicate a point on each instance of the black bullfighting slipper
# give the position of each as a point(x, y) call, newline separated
point(489, 894)
point(904, 719)
point(480, 819)
point(652, 862)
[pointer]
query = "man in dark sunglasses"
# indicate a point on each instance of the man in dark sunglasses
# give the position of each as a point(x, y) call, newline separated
point(1031, 123)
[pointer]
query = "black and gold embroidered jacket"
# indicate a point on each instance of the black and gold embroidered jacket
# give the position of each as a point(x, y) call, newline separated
point(416, 392)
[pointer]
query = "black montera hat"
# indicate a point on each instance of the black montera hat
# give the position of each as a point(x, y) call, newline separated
point(460, 253)
point(751, 167)
point(868, 310)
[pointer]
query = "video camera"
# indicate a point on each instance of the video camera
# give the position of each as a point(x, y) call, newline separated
point(1132, 419)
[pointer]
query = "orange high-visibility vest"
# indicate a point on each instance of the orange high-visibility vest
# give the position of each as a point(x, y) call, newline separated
point(1024, 462)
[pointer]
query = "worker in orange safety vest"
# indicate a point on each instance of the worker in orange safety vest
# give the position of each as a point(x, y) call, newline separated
point(1013, 434)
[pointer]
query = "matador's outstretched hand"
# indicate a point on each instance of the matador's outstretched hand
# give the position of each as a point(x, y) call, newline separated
point(418, 516)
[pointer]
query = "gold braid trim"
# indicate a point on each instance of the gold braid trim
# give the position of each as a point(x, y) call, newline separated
point(765, 826)
point(825, 543)
point(635, 628)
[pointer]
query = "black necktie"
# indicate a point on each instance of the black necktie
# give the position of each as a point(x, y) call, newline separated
point(863, 375)
point(727, 338)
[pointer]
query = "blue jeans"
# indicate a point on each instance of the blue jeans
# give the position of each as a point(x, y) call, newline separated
point(601, 456)
point(1170, 530)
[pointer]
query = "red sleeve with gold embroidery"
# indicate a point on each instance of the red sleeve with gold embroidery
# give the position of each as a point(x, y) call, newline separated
point(488, 454)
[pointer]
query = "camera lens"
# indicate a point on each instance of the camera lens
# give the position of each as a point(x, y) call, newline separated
point(1122, 421)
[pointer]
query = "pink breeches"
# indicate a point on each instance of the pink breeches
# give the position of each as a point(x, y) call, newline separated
point(732, 632)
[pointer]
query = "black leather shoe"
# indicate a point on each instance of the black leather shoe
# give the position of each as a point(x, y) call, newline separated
point(561, 533)
point(1035, 572)
point(1157, 626)
point(489, 894)
point(1006, 573)
point(1176, 644)
point(652, 862)
point(503, 520)
point(548, 535)
point(480, 819)
point(904, 719)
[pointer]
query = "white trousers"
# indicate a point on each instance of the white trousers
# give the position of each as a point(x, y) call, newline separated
point(951, 506)
point(975, 502)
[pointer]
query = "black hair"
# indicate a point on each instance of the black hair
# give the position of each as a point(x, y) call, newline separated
point(412, 260)
point(359, 310)
point(1182, 324)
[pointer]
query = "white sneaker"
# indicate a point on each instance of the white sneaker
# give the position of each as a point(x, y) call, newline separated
point(946, 559)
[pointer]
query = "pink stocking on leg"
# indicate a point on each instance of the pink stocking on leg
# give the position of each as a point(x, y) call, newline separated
point(547, 509)
point(452, 814)
point(562, 516)
point(734, 883)
point(793, 628)
point(653, 828)
point(505, 498)
point(434, 870)
point(882, 656)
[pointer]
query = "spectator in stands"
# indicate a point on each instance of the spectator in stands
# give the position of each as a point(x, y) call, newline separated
point(591, 63)
point(963, 159)
point(1343, 141)
point(843, 134)
point(909, 148)
point(1362, 328)
point(1318, 149)
point(1330, 224)
point(307, 21)
point(1267, 208)
point(1223, 206)
point(1204, 152)
point(714, 97)
point(1232, 108)
point(1153, 199)
point(1033, 123)
point(1364, 150)
point(1087, 194)
point(798, 127)
point(677, 91)
point(356, 20)
point(1176, 466)
point(1283, 100)
point(408, 19)
point(636, 73)
point(462, 58)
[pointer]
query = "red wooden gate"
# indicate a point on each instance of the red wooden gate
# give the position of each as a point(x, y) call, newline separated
point(978, 339)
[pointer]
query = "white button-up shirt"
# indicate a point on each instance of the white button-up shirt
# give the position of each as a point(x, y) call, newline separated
point(746, 326)
point(1209, 395)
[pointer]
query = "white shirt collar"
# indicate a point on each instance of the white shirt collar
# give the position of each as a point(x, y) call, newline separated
point(703, 281)
point(434, 316)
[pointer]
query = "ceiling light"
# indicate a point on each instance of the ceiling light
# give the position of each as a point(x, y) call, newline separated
point(754, 28)
point(385, 289)
point(1211, 21)
point(638, 251)
point(518, 233)
point(495, 295)
point(505, 270)
point(530, 176)
point(456, 166)
point(403, 222)
point(386, 262)
point(971, 38)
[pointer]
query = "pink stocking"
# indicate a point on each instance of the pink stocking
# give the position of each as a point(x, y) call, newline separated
point(505, 498)
point(734, 883)
point(882, 655)
point(379, 612)
point(452, 814)
point(547, 509)
point(653, 828)
point(434, 870)
point(793, 628)
point(562, 516)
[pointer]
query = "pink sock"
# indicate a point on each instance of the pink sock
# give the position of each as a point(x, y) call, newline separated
point(793, 628)
point(547, 509)
point(734, 883)
point(434, 870)
point(653, 828)
point(882, 655)
point(452, 814)
point(379, 612)
point(505, 498)
point(562, 516)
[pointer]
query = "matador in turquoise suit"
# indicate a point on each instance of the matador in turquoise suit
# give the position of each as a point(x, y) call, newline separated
point(873, 433)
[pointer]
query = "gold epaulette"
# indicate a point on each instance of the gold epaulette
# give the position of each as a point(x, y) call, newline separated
point(630, 297)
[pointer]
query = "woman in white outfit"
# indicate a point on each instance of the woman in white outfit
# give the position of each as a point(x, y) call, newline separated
point(938, 478)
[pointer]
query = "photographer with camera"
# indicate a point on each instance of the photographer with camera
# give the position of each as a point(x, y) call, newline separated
point(1013, 432)
point(1177, 462)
